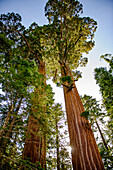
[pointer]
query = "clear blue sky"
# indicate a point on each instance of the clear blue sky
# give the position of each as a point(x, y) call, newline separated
point(100, 10)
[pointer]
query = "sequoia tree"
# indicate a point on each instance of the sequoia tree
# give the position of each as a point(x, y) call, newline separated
point(18, 77)
point(70, 36)
point(27, 44)
point(35, 144)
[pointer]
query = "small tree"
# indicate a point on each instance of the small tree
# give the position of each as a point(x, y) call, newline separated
point(96, 117)
point(104, 78)
point(58, 147)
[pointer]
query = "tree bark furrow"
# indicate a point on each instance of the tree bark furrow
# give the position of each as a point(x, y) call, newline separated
point(83, 132)
point(75, 110)
point(83, 138)
point(72, 132)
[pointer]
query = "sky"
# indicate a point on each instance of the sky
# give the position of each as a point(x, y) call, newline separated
point(100, 10)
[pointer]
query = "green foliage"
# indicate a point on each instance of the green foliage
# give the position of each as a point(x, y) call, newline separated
point(104, 79)
point(6, 43)
point(66, 79)
point(58, 144)
point(92, 107)
point(18, 76)
point(18, 163)
point(23, 89)
point(24, 92)
point(69, 34)
point(85, 114)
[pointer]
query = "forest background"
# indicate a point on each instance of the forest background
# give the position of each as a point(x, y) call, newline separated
point(87, 84)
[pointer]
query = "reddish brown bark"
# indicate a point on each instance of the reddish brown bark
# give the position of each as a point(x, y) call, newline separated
point(85, 153)
point(32, 143)
point(35, 143)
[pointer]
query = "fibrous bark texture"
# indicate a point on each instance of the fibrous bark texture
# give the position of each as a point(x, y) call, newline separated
point(35, 143)
point(85, 153)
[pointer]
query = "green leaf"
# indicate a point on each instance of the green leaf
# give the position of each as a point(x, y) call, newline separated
point(85, 114)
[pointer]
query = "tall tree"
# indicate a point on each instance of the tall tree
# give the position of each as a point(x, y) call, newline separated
point(17, 76)
point(27, 44)
point(72, 35)
point(35, 36)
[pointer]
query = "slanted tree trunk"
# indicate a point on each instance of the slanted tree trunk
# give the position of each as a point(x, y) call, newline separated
point(35, 144)
point(85, 153)
point(7, 129)
point(104, 142)
point(7, 135)
point(57, 144)
point(6, 121)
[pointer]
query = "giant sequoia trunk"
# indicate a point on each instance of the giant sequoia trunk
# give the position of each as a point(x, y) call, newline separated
point(85, 153)
point(35, 144)
point(34, 148)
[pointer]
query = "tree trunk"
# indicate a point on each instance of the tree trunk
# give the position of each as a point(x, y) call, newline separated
point(43, 152)
point(35, 143)
point(104, 142)
point(5, 140)
point(7, 129)
point(6, 121)
point(85, 153)
point(32, 142)
point(57, 144)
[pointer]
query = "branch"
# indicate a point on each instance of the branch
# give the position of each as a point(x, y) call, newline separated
point(65, 56)
point(8, 117)
point(26, 42)
point(55, 75)
point(68, 86)
point(6, 121)
point(75, 42)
